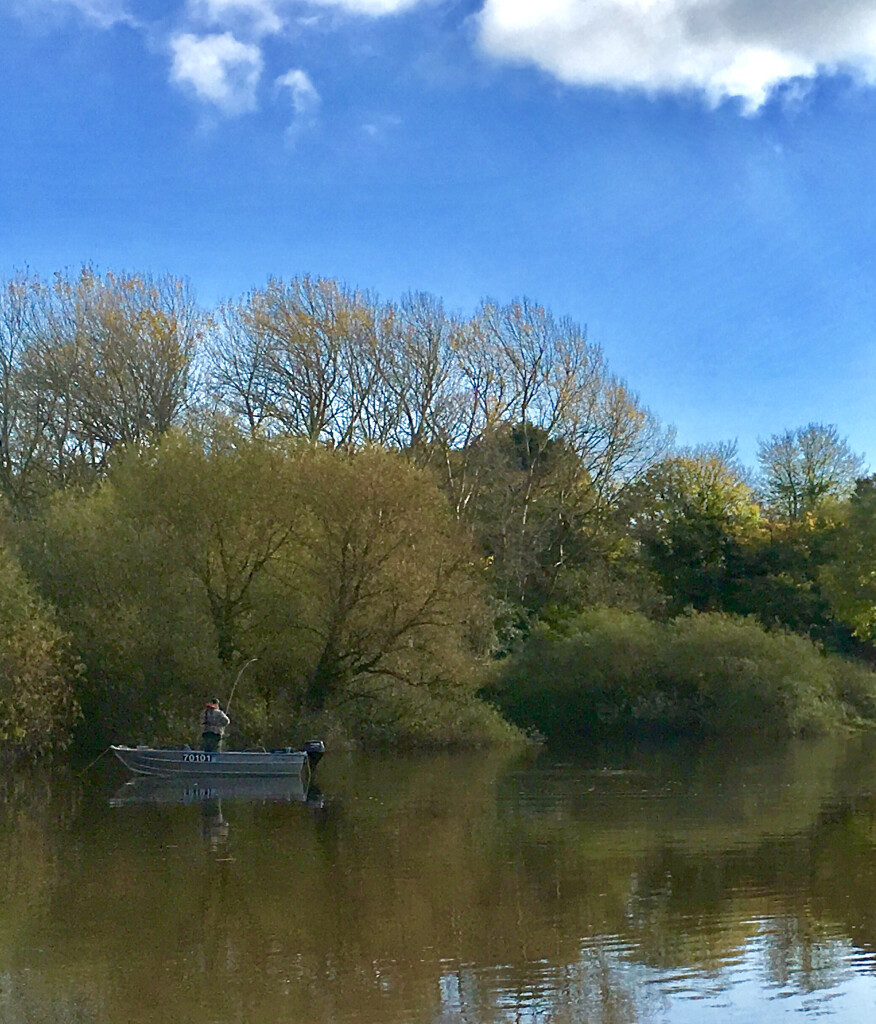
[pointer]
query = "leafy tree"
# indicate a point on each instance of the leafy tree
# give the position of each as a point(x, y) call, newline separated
point(156, 573)
point(805, 468)
point(135, 617)
point(344, 575)
point(390, 593)
point(778, 580)
point(693, 514)
point(849, 579)
point(37, 706)
point(222, 505)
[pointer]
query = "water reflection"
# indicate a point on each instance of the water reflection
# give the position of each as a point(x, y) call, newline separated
point(618, 886)
point(208, 794)
point(196, 791)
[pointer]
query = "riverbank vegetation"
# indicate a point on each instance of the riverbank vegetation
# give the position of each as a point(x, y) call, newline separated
point(605, 669)
point(402, 525)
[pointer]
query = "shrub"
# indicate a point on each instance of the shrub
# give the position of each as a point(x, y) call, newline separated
point(740, 677)
point(414, 718)
point(708, 672)
point(590, 670)
point(855, 687)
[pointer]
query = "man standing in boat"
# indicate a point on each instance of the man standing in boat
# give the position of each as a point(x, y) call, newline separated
point(214, 722)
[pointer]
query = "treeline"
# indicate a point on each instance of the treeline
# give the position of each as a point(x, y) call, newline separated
point(371, 505)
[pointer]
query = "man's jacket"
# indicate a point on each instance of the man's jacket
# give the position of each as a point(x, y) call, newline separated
point(214, 720)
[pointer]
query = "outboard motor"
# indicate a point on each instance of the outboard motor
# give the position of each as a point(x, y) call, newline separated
point(314, 750)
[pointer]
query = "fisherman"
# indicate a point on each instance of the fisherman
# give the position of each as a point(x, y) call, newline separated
point(214, 722)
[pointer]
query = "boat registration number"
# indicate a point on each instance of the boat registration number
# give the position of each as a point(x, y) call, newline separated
point(199, 758)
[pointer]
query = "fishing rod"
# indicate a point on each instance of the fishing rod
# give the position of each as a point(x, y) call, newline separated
point(243, 668)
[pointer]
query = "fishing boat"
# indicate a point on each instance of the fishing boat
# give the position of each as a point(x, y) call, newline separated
point(184, 761)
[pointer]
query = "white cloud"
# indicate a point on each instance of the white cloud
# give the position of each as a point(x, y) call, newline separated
point(219, 69)
point(261, 17)
point(305, 98)
point(374, 8)
point(268, 17)
point(304, 95)
point(381, 125)
point(103, 13)
point(724, 48)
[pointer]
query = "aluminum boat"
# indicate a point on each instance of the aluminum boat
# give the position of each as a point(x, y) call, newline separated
point(176, 761)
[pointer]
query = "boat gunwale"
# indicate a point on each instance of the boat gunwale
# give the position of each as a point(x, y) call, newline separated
point(169, 761)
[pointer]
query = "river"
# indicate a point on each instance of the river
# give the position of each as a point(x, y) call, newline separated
point(682, 884)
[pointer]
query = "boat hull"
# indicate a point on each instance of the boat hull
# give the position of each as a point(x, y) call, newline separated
point(226, 763)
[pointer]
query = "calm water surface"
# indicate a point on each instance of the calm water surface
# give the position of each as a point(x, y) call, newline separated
point(637, 884)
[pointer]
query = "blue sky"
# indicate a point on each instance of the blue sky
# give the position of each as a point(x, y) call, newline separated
point(691, 179)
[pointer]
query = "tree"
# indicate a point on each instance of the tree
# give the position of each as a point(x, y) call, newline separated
point(420, 389)
point(804, 469)
point(693, 513)
point(134, 339)
point(551, 440)
point(37, 671)
point(88, 363)
point(520, 366)
point(390, 590)
point(25, 411)
point(159, 573)
point(849, 579)
point(223, 505)
point(320, 342)
point(239, 376)
point(345, 575)
point(529, 512)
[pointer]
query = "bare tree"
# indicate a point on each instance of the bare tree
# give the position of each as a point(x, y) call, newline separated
point(239, 366)
point(320, 344)
point(801, 469)
point(24, 415)
point(135, 338)
point(87, 363)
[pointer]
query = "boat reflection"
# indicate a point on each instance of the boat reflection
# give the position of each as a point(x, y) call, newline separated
point(214, 827)
point(202, 791)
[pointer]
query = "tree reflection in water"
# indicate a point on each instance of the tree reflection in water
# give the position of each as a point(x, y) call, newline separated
point(615, 886)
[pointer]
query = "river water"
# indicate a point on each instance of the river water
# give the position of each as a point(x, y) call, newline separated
point(684, 885)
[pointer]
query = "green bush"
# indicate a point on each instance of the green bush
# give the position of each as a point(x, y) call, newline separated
point(740, 677)
point(405, 717)
point(855, 687)
point(708, 672)
point(590, 670)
